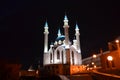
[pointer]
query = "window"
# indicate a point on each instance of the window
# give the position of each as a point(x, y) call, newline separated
point(50, 56)
point(107, 64)
point(112, 62)
point(58, 54)
point(73, 57)
point(62, 52)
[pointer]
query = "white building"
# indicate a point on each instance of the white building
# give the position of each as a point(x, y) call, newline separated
point(62, 51)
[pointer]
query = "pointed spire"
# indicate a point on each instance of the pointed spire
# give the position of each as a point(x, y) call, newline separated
point(59, 32)
point(76, 27)
point(46, 24)
point(65, 17)
point(65, 20)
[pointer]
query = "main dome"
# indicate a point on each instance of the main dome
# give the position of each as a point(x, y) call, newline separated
point(62, 37)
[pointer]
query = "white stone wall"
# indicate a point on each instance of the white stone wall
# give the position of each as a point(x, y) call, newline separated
point(51, 53)
point(72, 49)
point(60, 49)
point(77, 56)
point(46, 59)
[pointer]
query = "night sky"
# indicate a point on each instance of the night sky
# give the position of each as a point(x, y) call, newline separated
point(22, 25)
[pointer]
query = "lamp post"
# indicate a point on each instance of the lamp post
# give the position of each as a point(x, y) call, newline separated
point(94, 57)
point(117, 43)
point(110, 59)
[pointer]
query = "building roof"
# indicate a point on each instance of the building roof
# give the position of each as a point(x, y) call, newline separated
point(62, 37)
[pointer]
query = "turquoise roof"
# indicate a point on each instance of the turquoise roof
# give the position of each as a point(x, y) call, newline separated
point(65, 18)
point(59, 31)
point(62, 37)
point(46, 24)
point(76, 26)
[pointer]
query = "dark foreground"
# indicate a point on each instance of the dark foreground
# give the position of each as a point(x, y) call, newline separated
point(54, 77)
point(60, 77)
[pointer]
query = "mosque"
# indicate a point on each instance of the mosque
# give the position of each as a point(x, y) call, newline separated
point(62, 55)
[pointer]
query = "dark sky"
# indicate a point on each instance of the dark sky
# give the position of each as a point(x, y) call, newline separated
point(22, 23)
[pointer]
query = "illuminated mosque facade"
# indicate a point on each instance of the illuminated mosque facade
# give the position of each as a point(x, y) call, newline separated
point(62, 51)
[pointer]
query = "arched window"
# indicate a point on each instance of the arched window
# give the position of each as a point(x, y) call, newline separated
point(110, 64)
point(50, 56)
point(58, 54)
point(113, 64)
point(73, 57)
point(107, 64)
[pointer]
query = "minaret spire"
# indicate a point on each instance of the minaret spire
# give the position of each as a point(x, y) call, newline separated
point(46, 24)
point(66, 26)
point(65, 20)
point(65, 17)
point(76, 27)
point(59, 32)
point(46, 32)
point(77, 33)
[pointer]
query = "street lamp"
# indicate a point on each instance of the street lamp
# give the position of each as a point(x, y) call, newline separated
point(94, 56)
point(117, 43)
point(110, 58)
point(92, 63)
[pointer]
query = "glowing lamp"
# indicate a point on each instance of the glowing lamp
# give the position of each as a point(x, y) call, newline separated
point(117, 41)
point(110, 58)
point(93, 63)
point(94, 56)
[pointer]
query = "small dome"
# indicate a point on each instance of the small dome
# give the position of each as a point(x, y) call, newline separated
point(62, 37)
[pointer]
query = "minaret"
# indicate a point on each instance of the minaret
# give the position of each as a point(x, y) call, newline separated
point(77, 33)
point(59, 33)
point(66, 26)
point(46, 32)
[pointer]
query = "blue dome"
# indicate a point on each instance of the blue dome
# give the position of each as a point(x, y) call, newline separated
point(62, 37)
